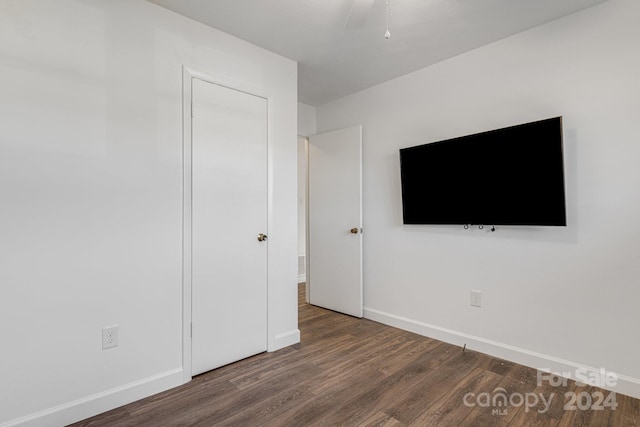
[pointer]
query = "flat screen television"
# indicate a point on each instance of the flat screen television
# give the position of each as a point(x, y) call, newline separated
point(509, 176)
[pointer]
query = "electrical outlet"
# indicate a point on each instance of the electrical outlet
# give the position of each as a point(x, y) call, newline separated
point(109, 337)
point(476, 299)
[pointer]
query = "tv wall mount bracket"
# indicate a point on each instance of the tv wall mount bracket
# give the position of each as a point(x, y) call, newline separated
point(480, 227)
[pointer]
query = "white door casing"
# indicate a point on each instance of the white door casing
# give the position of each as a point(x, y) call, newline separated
point(335, 221)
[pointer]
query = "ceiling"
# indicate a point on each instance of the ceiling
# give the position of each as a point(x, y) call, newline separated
point(334, 61)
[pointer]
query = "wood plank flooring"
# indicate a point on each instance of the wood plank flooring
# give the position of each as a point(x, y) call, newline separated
point(355, 372)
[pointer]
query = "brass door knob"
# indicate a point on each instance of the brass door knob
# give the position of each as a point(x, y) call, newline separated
point(262, 237)
point(354, 230)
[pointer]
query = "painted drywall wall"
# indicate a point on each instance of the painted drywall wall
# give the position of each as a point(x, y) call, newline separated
point(306, 119)
point(552, 297)
point(91, 187)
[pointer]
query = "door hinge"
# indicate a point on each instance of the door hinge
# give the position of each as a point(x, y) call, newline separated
point(191, 330)
point(192, 110)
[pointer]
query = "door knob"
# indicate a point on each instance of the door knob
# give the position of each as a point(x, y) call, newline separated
point(262, 237)
point(354, 230)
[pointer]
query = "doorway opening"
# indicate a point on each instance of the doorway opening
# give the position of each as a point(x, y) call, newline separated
point(330, 213)
point(303, 189)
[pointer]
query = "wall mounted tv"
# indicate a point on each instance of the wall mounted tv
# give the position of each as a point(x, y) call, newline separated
point(509, 176)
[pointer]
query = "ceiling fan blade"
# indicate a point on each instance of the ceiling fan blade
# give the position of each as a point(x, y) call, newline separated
point(358, 14)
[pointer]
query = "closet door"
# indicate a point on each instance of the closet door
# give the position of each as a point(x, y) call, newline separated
point(229, 225)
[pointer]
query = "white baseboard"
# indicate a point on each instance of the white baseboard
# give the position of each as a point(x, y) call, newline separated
point(98, 403)
point(302, 278)
point(626, 385)
point(286, 339)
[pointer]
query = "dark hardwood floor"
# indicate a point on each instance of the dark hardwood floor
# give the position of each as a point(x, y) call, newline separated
point(355, 372)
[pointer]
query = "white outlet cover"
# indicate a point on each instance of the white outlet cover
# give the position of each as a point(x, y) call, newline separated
point(476, 299)
point(109, 337)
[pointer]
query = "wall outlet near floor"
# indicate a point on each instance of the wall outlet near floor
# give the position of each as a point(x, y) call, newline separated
point(109, 337)
point(476, 299)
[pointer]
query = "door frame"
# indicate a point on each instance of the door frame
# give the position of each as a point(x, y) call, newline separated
point(188, 74)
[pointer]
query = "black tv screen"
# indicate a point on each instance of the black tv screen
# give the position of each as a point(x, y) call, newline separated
point(509, 176)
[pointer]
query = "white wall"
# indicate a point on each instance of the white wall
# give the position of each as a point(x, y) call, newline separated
point(306, 119)
point(552, 297)
point(91, 188)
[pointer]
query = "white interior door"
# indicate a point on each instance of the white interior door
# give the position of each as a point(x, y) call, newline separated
point(229, 211)
point(335, 221)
